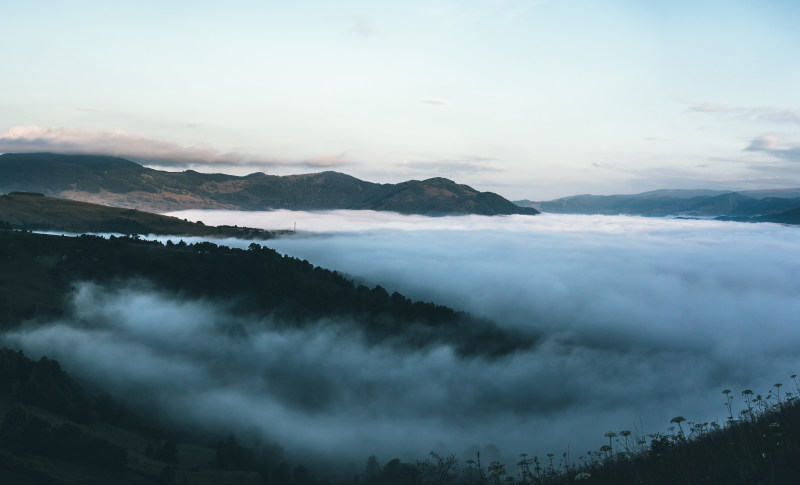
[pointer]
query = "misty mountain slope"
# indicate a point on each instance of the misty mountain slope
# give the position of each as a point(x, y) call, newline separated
point(122, 183)
point(52, 431)
point(791, 216)
point(640, 320)
point(691, 203)
point(34, 211)
point(280, 290)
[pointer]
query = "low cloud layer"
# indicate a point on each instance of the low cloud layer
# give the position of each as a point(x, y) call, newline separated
point(152, 151)
point(642, 320)
point(452, 167)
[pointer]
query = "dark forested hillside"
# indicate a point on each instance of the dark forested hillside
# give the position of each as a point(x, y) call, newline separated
point(38, 270)
point(122, 183)
point(52, 431)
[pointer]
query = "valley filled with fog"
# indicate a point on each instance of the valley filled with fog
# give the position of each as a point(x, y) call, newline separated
point(636, 320)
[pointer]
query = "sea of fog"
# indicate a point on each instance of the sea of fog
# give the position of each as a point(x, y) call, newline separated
point(643, 319)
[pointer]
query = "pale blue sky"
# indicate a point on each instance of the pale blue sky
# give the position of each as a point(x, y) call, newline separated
point(530, 99)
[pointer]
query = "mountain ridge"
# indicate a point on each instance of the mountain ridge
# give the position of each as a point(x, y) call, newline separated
point(123, 183)
point(677, 202)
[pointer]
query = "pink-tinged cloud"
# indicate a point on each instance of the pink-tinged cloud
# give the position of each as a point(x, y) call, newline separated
point(327, 160)
point(771, 144)
point(143, 148)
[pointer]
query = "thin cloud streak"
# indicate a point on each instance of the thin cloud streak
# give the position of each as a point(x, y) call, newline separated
point(436, 101)
point(761, 113)
point(465, 165)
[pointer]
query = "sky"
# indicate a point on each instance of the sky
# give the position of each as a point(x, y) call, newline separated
point(639, 320)
point(532, 99)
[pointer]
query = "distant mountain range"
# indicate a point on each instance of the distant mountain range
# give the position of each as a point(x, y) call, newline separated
point(751, 206)
point(123, 183)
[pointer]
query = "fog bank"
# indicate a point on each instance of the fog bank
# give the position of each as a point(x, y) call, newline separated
point(642, 320)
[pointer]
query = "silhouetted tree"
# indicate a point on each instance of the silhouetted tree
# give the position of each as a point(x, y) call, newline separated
point(372, 471)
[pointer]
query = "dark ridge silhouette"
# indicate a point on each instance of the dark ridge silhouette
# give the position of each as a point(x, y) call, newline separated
point(123, 183)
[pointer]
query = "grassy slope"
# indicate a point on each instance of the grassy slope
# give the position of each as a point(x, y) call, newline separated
point(763, 447)
point(24, 210)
